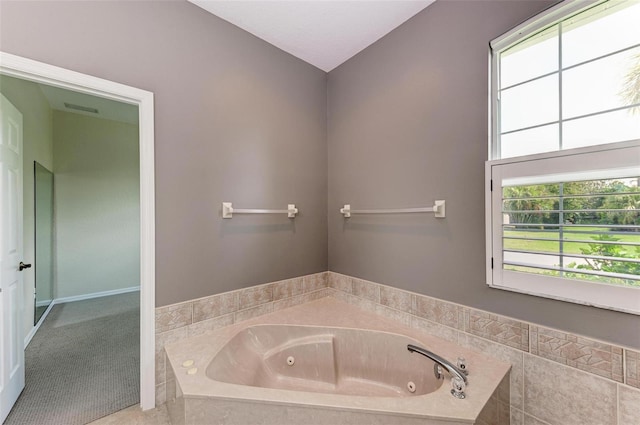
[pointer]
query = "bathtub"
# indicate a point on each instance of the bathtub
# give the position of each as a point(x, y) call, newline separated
point(324, 362)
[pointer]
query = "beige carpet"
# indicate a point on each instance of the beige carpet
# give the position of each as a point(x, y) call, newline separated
point(83, 363)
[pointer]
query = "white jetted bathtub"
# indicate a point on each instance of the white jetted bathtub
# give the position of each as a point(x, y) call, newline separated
point(324, 362)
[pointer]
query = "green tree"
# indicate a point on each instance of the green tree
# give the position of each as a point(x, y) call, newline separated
point(612, 264)
point(531, 198)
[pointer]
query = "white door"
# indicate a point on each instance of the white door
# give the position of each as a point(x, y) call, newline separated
point(11, 343)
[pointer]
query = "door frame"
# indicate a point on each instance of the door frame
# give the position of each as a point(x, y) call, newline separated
point(28, 69)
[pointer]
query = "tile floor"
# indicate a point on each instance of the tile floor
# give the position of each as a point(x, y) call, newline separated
point(134, 416)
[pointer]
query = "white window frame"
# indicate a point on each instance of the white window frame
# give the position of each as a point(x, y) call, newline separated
point(622, 155)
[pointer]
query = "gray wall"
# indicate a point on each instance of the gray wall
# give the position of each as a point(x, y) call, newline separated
point(236, 120)
point(408, 125)
point(239, 120)
point(97, 204)
point(37, 138)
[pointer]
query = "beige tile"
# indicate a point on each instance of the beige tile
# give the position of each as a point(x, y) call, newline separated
point(253, 296)
point(170, 392)
point(582, 353)
point(161, 394)
point(340, 282)
point(339, 295)
point(367, 290)
point(530, 420)
point(316, 295)
point(504, 353)
point(233, 412)
point(171, 386)
point(504, 390)
point(395, 298)
point(633, 368)
point(517, 416)
point(331, 277)
point(135, 416)
point(533, 339)
point(161, 340)
point(398, 316)
point(206, 326)
point(489, 413)
point(434, 328)
point(437, 311)
point(314, 282)
point(287, 288)
point(173, 316)
point(170, 376)
point(363, 303)
point(299, 299)
point(504, 414)
point(250, 313)
point(214, 306)
point(494, 413)
point(629, 405)
point(289, 302)
point(176, 410)
point(497, 328)
point(563, 395)
point(161, 367)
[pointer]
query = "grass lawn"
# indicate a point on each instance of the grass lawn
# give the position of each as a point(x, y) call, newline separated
point(553, 246)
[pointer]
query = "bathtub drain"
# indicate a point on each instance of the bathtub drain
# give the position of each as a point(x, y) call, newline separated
point(290, 360)
point(411, 387)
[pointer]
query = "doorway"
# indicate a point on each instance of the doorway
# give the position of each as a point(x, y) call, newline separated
point(26, 69)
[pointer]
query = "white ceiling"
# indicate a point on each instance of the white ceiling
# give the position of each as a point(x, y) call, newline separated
point(107, 109)
point(324, 33)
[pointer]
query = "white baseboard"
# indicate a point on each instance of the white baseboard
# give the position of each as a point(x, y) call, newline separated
point(33, 330)
point(96, 295)
point(63, 300)
point(43, 303)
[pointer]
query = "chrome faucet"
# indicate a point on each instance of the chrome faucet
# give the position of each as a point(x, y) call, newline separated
point(459, 376)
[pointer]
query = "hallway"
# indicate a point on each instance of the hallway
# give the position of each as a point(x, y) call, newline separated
point(83, 363)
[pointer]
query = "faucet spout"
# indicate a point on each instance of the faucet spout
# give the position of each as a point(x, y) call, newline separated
point(450, 367)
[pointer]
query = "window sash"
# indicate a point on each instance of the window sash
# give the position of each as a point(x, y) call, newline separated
point(552, 16)
point(619, 161)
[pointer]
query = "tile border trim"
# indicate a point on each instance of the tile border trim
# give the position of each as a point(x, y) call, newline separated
point(610, 361)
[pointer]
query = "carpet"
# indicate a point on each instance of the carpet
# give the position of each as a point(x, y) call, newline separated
point(83, 363)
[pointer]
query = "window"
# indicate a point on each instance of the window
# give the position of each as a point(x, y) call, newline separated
point(563, 202)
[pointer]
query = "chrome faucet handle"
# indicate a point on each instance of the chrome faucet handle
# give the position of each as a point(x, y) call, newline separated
point(462, 365)
point(458, 387)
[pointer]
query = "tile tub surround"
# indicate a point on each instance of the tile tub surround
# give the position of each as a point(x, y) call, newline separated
point(495, 335)
point(203, 315)
point(192, 396)
point(610, 372)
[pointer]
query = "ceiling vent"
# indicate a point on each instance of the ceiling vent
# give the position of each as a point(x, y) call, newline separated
point(80, 108)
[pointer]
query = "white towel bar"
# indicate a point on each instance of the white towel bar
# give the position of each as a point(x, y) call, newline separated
point(438, 208)
point(228, 210)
